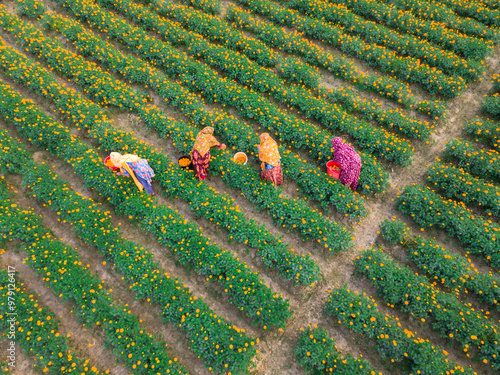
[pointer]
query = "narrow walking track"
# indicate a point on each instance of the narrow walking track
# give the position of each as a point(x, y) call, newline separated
point(276, 349)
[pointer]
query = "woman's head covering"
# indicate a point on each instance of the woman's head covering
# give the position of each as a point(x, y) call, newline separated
point(337, 142)
point(205, 140)
point(118, 159)
point(268, 150)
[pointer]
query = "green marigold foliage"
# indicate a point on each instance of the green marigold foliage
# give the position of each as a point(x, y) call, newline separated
point(38, 329)
point(393, 118)
point(395, 231)
point(219, 31)
point(294, 70)
point(317, 353)
point(30, 8)
point(483, 163)
point(404, 68)
point(405, 15)
point(404, 44)
point(400, 287)
point(453, 182)
point(428, 209)
point(491, 105)
point(435, 109)
point(441, 14)
point(94, 305)
point(485, 130)
point(339, 65)
point(361, 315)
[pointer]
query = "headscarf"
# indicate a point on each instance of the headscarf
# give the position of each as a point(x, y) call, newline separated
point(121, 161)
point(118, 159)
point(205, 140)
point(268, 150)
point(337, 143)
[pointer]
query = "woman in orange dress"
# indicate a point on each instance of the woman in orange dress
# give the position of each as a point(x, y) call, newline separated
point(271, 160)
point(200, 155)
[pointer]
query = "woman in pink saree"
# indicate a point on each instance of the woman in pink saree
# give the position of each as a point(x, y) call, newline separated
point(349, 160)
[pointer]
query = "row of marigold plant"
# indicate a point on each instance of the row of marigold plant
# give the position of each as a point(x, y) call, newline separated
point(226, 344)
point(240, 228)
point(476, 10)
point(374, 140)
point(36, 329)
point(208, 6)
point(239, 135)
point(400, 287)
point(440, 13)
point(486, 131)
point(61, 269)
point(437, 32)
point(294, 43)
point(453, 270)
point(405, 68)
point(243, 286)
point(393, 118)
point(475, 160)
point(403, 44)
point(360, 314)
point(491, 105)
point(217, 30)
point(341, 66)
point(427, 208)
point(453, 182)
point(317, 353)
point(250, 105)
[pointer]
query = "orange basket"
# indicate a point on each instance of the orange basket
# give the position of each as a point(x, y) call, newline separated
point(110, 165)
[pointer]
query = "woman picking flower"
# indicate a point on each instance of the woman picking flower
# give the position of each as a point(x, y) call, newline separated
point(135, 167)
point(201, 151)
point(349, 160)
point(270, 158)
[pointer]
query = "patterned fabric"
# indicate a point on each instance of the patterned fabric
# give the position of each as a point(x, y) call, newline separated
point(273, 175)
point(349, 160)
point(268, 150)
point(141, 169)
point(205, 140)
point(135, 167)
point(200, 164)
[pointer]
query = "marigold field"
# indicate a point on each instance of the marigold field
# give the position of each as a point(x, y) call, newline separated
point(232, 275)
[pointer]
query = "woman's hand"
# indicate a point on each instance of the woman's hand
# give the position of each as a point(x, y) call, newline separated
point(222, 146)
point(119, 173)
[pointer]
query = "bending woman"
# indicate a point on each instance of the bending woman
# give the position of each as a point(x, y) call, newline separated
point(349, 160)
point(200, 155)
point(135, 167)
point(271, 160)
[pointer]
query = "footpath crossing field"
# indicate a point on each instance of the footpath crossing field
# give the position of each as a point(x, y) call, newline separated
point(232, 275)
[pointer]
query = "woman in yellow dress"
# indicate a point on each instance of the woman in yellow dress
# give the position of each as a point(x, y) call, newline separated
point(270, 160)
